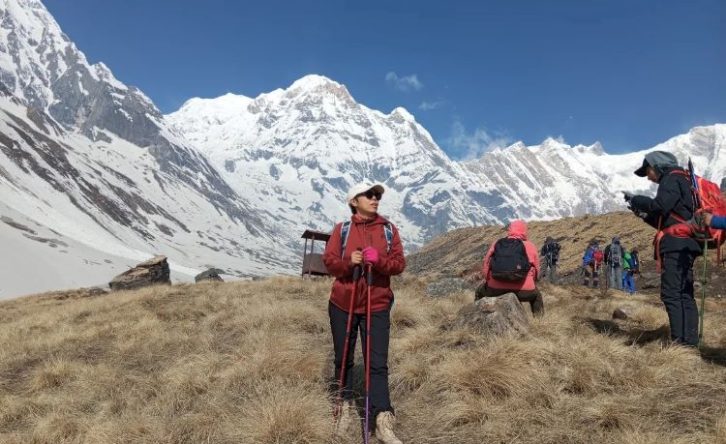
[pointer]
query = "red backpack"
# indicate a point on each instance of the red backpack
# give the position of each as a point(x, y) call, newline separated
point(708, 199)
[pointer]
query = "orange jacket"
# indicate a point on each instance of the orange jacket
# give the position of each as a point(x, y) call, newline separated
point(363, 233)
point(517, 230)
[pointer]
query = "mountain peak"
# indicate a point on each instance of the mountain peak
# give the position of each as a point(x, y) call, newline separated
point(317, 85)
point(402, 113)
point(313, 81)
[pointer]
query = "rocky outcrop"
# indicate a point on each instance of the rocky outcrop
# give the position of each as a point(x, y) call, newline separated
point(494, 316)
point(213, 274)
point(152, 272)
point(623, 313)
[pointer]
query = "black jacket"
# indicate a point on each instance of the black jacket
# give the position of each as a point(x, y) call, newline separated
point(673, 196)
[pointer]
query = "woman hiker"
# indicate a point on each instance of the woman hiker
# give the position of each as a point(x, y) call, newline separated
point(365, 249)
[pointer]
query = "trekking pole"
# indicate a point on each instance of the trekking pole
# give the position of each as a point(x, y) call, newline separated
point(702, 310)
point(346, 344)
point(369, 281)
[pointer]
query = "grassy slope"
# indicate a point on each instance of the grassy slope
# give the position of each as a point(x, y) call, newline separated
point(461, 251)
point(248, 362)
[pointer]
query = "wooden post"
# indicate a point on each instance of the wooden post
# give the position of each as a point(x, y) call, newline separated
point(305, 253)
point(312, 249)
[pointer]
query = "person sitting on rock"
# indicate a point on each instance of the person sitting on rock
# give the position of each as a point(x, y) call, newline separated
point(511, 266)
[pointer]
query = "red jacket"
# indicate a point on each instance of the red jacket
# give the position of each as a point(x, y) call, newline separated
point(364, 233)
point(517, 230)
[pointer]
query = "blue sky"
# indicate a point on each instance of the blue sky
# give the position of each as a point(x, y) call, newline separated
point(627, 73)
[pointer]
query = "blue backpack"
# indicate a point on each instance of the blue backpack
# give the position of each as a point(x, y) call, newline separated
point(345, 231)
point(588, 255)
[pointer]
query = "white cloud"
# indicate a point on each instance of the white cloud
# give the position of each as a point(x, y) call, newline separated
point(428, 106)
point(405, 83)
point(472, 145)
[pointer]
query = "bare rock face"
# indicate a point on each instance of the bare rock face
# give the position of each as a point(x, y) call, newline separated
point(152, 272)
point(210, 275)
point(494, 316)
point(648, 281)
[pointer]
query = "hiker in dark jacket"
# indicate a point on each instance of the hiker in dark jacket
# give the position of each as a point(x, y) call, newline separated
point(614, 263)
point(526, 288)
point(550, 254)
point(635, 261)
point(366, 243)
point(675, 249)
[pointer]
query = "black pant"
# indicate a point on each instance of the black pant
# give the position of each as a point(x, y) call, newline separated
point(676, 292)
point(534, 297)
point(594, 272)
point(380, 398)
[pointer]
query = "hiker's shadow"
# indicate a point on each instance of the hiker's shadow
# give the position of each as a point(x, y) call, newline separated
point(714, 355)
point(633, 336)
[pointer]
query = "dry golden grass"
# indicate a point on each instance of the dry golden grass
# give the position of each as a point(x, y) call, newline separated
point(250, 362)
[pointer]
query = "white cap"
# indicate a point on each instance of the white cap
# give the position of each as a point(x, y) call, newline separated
point(362, 188)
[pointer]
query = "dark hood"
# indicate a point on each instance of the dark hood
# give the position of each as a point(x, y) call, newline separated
point(659, 160)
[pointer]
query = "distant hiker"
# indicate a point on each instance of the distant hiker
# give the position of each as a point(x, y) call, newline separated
point(367, 243)
point(591, 264)
point(613, 260)
point(628, 281)
point(550, 253)
point(675, 249)
point(635, 261)
point(511, 266)
point(718, 222)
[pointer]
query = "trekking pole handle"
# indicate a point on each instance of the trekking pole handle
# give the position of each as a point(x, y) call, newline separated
point(357, 269)
point(369, 274)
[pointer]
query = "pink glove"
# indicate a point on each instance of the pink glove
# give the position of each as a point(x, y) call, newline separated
point(370, 255)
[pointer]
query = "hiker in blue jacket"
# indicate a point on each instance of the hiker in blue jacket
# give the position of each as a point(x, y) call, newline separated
point(718, 222)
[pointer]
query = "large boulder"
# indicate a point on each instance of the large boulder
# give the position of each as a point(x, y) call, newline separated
point(447, 286)
point(494, 316)
point(152, 272)
point(623, 313)
point(213, 274)
point(648, 281)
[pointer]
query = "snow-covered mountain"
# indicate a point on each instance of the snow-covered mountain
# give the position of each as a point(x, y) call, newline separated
point(553, 179)
point(93, 178)
point(92, 159)
point(299, 149)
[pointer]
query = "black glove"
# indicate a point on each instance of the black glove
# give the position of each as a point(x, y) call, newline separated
point(627, 196)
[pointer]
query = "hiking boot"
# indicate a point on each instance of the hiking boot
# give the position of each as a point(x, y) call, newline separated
point(346, 418)
point(384, 428)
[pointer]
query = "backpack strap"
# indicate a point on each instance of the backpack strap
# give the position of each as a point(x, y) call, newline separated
point(388, 230)
point(344, 232)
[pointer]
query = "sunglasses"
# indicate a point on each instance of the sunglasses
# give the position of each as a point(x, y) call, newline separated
point(370, 194)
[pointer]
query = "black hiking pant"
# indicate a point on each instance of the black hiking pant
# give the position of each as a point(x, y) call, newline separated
point(534, 297)
point(591, 271)
point(380, 398)
point(676, 292)
point(549, 272)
